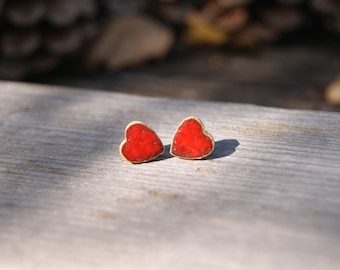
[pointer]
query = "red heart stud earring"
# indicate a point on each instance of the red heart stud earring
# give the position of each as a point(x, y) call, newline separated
point(191, 141)
point(141, 143)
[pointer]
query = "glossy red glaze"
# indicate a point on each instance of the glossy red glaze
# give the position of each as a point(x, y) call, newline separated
point(191, 141)
point(141, 143)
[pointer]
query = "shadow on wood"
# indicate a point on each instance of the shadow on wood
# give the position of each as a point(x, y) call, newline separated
point(166, 154)
point(224, 148)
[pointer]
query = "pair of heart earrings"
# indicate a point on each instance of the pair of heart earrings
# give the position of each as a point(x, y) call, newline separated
point(190, 141)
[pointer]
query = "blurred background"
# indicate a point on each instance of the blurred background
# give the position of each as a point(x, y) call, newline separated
point(282, 53)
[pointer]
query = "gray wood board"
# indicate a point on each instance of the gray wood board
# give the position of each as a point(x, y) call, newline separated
point(267, 198)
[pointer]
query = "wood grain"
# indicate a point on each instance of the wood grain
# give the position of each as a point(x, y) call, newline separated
point(267, 198)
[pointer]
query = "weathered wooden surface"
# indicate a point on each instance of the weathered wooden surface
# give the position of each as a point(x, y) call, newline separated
point(268, 197)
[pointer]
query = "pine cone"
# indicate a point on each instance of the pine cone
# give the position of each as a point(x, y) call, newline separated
point(37, 35)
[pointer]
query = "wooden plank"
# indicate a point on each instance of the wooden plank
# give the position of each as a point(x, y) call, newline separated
point(268, 197)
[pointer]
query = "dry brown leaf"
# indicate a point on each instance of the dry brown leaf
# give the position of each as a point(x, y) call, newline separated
point(129, 40)
point(233, 20)
point(201, 32)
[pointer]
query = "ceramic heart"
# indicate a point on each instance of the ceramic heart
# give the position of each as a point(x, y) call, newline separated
point(141, 143)
point(191, 141)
